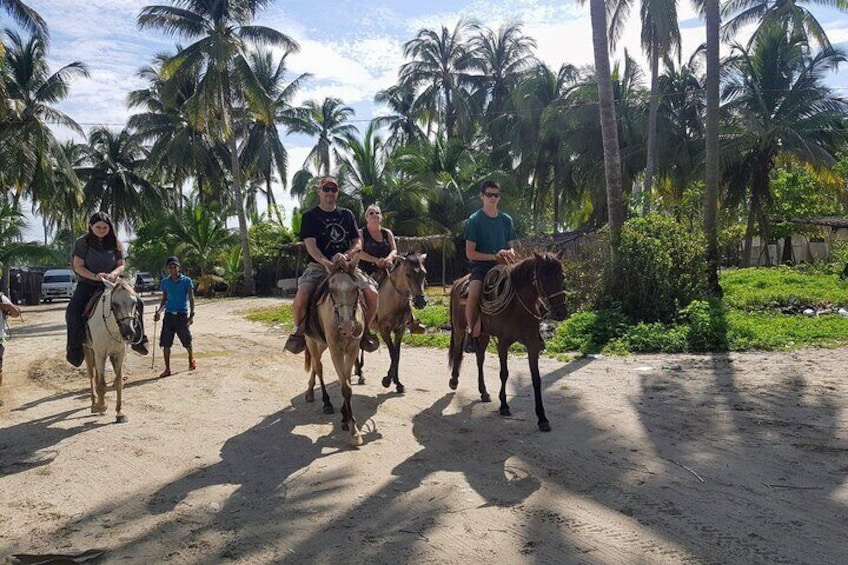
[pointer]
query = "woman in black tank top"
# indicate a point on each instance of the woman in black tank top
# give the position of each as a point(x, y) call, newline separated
point(378, 243)
point(378, 251)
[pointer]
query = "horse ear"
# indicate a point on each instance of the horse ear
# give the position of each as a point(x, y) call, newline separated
point(537, 256)
point(355, 263)
point(109, 284)
point(423, 257)
point(559, 254)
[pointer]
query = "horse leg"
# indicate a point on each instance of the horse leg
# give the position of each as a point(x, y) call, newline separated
point(503, 355)
point(533, 358)
point(455, 353)
point(92, 378)
point(482, 344)
point(357, 367)
point(118, 366)
point(310, 387)
point(100, 382)
point(319, 370)
point(395, 367)
point(386, 334)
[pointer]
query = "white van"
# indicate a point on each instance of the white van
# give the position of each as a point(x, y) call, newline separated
point(58, 283)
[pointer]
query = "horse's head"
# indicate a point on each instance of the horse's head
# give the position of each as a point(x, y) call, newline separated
point(549, 283)
point(126, 307)
point(344, 296)
point(412, 267)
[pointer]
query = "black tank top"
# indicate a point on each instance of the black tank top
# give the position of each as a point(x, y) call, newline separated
point(374, 248)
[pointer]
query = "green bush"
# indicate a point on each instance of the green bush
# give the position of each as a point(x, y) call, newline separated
point(662, 268)
point(707, 326)
point(588, 332)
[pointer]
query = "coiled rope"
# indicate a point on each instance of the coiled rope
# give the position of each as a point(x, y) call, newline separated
point(497, 290)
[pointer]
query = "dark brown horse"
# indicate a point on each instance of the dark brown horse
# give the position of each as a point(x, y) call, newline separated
point(532, 287)
point(404, 284)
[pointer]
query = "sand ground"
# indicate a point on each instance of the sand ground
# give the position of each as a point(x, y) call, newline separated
point(727, 458)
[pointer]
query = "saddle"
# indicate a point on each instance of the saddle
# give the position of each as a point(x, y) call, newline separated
point(92, 303)
point(495, 284)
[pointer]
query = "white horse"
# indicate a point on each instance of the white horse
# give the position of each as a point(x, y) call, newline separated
point(114, 322)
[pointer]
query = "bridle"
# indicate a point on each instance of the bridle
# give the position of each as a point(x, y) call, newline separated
point(338, 305)
point(543, 297)
point(109, 312)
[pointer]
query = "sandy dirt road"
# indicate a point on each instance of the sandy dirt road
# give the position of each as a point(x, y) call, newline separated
point(733, 458)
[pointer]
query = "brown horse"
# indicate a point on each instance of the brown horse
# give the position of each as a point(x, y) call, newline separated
point(404, 284)
point(534, 282)
point(337, 325)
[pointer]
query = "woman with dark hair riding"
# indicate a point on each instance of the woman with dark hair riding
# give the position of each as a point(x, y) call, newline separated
point(97, 255)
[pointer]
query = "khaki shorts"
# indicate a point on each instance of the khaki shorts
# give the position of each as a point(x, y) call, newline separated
point(315, 273)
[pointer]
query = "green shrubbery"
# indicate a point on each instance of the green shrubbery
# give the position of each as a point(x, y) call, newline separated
point(662, 268)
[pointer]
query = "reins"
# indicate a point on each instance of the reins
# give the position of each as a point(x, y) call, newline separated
point(109, 312)
point(337, 305)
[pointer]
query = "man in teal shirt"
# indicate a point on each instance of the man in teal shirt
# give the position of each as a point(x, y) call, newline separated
point(489, 238)
point(178, 303)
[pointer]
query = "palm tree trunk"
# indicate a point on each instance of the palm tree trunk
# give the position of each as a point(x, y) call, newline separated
point(651, 156)
point(249, 287)
point(711, 165)
point(609, 131)
point(749, 234)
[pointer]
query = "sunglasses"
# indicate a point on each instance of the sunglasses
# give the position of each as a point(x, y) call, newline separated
point(330, 188)
point(374, 213)
point(492, 194)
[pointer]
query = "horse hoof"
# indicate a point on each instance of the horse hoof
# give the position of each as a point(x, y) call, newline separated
point(485, 397)
point(361, 381)
point(400, 388)
point(453, 383)
point(310, 397)
point(120, 419)
point(328, 409)
point(505, 411)
point(356, 440)
point(387, 382)
point(346, 427)
point(544, 426)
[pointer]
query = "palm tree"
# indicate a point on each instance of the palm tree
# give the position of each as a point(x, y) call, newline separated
point(263, 150)
point(789, 14)
point(440, 65)
point(328, 123)
point(712, 15)
point(363, 168)
point(502, 58)
point(777, 105)
point(199, 234)
point(113, 177)
point(404, 118)
point(179, 149)
point(609, 130)
point(31, 154)
point(221, 29)
point(25, 17)
point(660, 38)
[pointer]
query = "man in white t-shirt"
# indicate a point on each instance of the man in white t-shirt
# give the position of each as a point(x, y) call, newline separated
point(6, 309)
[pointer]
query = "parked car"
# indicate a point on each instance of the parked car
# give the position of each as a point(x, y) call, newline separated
point(58, 283)
point(144, 282)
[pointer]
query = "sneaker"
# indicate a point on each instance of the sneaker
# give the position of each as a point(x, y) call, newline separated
point(369, 343)
point(469, 344)
point(75, 356)
point(296, 343)
point(415, 327)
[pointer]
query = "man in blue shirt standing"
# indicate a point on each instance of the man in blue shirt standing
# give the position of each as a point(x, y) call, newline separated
point(178, 303)
point(489, 238)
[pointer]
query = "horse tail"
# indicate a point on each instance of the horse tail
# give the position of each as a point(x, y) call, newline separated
point(457, 333)
point(307, 364)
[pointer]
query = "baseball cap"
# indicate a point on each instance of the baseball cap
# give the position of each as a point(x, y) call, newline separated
point(172, 260)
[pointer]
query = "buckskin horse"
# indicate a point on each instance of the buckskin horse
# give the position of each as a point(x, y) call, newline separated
point(114, 322)
point(528, 287)
point(403, 284)
point(335, 322)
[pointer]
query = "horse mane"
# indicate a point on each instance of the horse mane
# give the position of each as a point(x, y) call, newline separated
point(525, 269)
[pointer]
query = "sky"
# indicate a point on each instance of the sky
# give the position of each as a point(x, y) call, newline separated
point(352, 49)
